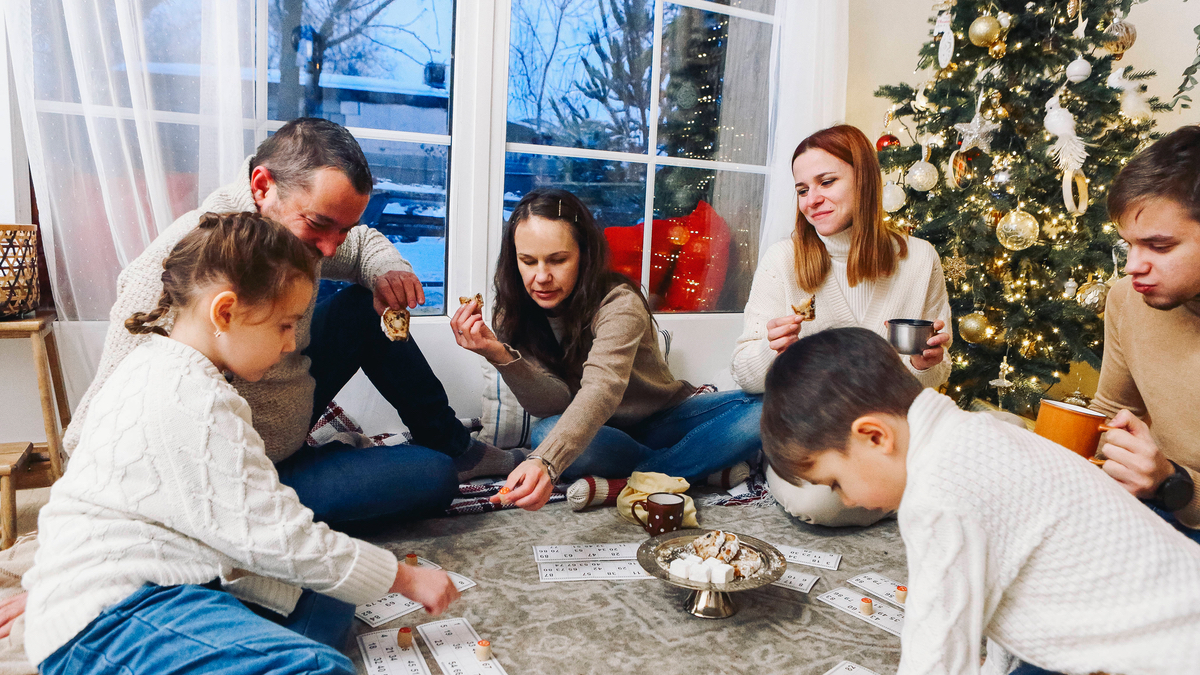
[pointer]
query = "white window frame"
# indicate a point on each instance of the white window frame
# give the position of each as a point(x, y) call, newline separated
point(698, 328)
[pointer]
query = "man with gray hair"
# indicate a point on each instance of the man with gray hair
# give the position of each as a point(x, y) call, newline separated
point(312, 177)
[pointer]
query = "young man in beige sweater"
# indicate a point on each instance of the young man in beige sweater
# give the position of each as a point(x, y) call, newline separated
point(1152, 342)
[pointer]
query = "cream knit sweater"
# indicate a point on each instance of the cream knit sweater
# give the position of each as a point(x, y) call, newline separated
point(282, 400)
point(1016, 539)
point(917, 290)
point(170, 485)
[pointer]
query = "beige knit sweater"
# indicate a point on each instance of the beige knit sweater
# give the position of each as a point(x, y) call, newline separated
point(282, 400)
point(917, 290)
point(625, 380)
point(1151, 358)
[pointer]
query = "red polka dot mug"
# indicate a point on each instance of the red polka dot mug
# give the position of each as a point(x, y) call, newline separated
point(664, 512)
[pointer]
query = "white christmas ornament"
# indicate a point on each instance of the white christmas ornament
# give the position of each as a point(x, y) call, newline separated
point(977, 133)
point(1079, 70)
point(946, 46)
point(922, 176)
point(1069, 152)
point(893, 197)
point(1133, 101)
point(1070, 287)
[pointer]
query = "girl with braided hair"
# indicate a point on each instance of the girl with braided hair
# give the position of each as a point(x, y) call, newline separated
point(170, 516)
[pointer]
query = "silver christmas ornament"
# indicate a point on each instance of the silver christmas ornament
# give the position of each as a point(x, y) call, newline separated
point(1002, 177)
point(977, 133)
point(1070, 287)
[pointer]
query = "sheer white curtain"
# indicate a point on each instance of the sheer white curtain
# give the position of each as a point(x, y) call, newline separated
point(133, 111)
point(810, 71)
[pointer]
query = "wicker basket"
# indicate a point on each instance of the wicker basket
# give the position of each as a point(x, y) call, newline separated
point(18, 270)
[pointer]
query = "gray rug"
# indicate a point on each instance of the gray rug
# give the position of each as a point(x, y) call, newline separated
point(607, 627)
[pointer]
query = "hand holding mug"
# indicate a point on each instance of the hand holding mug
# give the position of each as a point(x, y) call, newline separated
point(935, 352)
point(1134, 459)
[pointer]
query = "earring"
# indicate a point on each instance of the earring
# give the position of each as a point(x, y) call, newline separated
point(217, 333)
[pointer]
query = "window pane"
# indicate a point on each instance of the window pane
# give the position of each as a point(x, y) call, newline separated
point(408, 206)
point(579, 73)
point(705, 239)
point(614, 191)
point(714, 93)
point(380, 64)
point(764, 6)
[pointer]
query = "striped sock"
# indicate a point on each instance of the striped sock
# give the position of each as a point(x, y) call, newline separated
point(594, 491)
point(730, 477)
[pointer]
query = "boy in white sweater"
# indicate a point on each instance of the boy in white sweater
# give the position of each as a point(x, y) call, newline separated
point(171, 513)
point(1009, 537)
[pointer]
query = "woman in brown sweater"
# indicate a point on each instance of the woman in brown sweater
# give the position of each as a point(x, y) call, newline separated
point(578, 347)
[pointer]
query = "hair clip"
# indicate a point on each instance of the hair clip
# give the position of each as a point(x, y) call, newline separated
point(560, 208)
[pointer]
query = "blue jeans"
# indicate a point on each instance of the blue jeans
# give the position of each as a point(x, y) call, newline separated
point(343, 484)
point(1188, 532)
point(702, 435)
point(165, 630)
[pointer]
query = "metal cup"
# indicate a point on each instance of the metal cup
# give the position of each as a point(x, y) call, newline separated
point(910, 336)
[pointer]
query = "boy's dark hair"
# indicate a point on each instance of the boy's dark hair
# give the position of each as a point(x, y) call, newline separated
point(817, 388)
point(1170, 168)
point(305, 145)
point(255, 255)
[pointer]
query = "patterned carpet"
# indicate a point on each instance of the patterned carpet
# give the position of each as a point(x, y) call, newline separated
point(608, 627)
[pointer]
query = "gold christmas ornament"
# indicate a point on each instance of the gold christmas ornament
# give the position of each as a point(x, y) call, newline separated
point(998, 49)
point(1077, 398)
point(1093, 294)
point(1017, 230)
point(984, 31)
point(1118, 38)
point(1072, 8)
point(973, 327)
point(955, 268)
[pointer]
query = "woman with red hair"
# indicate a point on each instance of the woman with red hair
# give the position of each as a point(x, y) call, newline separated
point(854, 270)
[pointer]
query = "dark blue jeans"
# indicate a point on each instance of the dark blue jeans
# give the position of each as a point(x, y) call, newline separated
point(343, 484)
point(702, 435)
point(169, 630)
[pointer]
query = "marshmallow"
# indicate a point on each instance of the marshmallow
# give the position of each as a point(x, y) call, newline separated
point(712, 562)
point(680, 568)
point(722, 574)
point(693, 559)
point(699, 573)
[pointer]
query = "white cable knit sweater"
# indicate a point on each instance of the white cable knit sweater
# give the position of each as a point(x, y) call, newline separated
point(1014, 538)
point(917, 290)
point(281, 400)
point(170, 485)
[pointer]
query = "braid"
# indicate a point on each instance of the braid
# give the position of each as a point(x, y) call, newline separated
point(136, 324)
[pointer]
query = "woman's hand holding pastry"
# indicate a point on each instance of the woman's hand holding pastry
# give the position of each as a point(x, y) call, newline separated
point(528, 486)
point(471, 333)
point(935, 352)
point(783, 331)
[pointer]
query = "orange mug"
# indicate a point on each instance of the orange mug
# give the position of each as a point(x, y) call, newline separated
point(1076, 429)
point(664, 512)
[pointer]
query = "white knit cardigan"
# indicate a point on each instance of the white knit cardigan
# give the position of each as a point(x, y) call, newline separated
point(282, 399)
point(1015, 538)
point(171, 485)
point(917, 290)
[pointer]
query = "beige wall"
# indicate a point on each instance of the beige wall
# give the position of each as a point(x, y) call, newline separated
point(886, 34)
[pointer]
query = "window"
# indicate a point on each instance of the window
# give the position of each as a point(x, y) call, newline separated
point(383, 70)
point(651, 112)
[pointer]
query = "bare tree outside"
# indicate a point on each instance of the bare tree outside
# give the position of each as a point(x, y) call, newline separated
point(349, 37)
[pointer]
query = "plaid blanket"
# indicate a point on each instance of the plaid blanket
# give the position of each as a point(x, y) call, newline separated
point(758, 494)
point(475, 498)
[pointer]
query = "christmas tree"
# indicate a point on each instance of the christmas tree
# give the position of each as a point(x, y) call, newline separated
point(1026, 116)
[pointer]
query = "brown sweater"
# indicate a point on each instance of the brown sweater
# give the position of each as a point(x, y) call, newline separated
point(625, 380)
point(1151, 358)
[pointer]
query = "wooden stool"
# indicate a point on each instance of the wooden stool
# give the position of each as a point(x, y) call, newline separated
point(45, 465)
point(14, 458)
